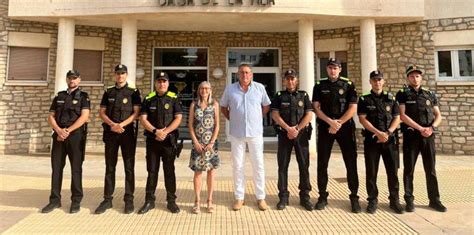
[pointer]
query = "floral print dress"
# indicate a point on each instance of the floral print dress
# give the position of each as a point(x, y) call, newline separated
point(203, 128)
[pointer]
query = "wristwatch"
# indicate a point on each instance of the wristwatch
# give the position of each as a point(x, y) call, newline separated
point(154, 131)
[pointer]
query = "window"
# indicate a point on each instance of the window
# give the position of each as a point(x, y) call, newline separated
point(454, 64)
point(322, 60)
point(89, 64)
point(27, 64)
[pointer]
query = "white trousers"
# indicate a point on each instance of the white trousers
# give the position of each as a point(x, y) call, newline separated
point(238, 146)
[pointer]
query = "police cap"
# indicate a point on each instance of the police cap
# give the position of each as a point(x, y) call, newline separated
point(291, 73)
point(334, 61)
point(162, 76)
point(413, 68)
point(73, 73)
point(376, 74)
point(121, 68)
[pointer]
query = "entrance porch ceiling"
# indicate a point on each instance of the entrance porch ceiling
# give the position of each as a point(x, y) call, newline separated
point(224, 22)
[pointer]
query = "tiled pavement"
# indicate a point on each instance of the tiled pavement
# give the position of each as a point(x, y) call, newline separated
point(25, 182)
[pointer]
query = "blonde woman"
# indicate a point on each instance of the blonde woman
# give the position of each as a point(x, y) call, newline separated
point(204, 127)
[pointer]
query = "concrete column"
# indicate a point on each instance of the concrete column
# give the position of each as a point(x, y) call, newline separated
point(129, 47)
point(64, 53)
point(306, 66)
point(368, 51)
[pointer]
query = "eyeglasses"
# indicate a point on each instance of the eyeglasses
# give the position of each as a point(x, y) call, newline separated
point(245, 72)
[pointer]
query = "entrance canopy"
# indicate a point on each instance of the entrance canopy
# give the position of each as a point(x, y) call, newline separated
point(220, 15)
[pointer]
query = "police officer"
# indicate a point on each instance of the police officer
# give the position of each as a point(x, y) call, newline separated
point(380, 115)
point(421, 116)
point(68, 114)
point(119, 109)
point(335, 102)
point(292, 113)
point(161, 115)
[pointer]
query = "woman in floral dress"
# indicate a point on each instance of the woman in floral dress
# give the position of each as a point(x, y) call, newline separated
point(203, 126)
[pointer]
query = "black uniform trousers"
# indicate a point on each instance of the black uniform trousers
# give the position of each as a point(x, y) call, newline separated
point(390, 156)
point(345, 137)
point(156, 150)
point(127, 143)
point(72, 147)
point(414, 143)
point(285, 147)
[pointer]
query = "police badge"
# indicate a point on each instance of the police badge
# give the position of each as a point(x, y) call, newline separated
point(167, 106)
point(387, 108)
point(300, 103)
point(341, 91)
point(125, 100)
point(74, 102)
point(428, 102)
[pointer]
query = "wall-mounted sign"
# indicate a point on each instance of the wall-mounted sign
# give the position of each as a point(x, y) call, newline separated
point(215, 2)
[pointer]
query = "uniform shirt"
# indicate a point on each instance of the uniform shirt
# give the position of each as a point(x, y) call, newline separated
point(119, 102)
point(67, 106)
point(160, 110)
point(245, 115)
point(380, 109)
point(334, 97)
point(292, 106)
point(418, 104)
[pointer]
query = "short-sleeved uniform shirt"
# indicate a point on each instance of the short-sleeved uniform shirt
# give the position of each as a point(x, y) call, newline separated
point(119, 102)
point(334, 97)
point(68, 106)
point(292, 106)
point(160, 110)
point(418, 104)
point(380, 109)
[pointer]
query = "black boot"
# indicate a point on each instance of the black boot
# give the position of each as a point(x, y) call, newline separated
point(50, 207)
point(396, 207)
point(75, 207)
point(104, 205)
point(146, 207)
point(173, 207)
point(372, 206)
point(438, 206)
point(410, 207)
point(306, 203)
point(321, 204)
point(355, 206)
point(129, 207)
point(281, 205)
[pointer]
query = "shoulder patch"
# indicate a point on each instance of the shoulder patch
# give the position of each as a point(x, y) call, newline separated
point(151, 95)
point(346, 80)
point(425, 89)
point(171, 94)
point(132, 86)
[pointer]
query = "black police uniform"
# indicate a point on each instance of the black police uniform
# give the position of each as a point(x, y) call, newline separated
point(335, 98)
point(119, 103)
point(161, 111)
point(292, 107)
point(380, 109)
point(419, 107)
point(67, 107)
